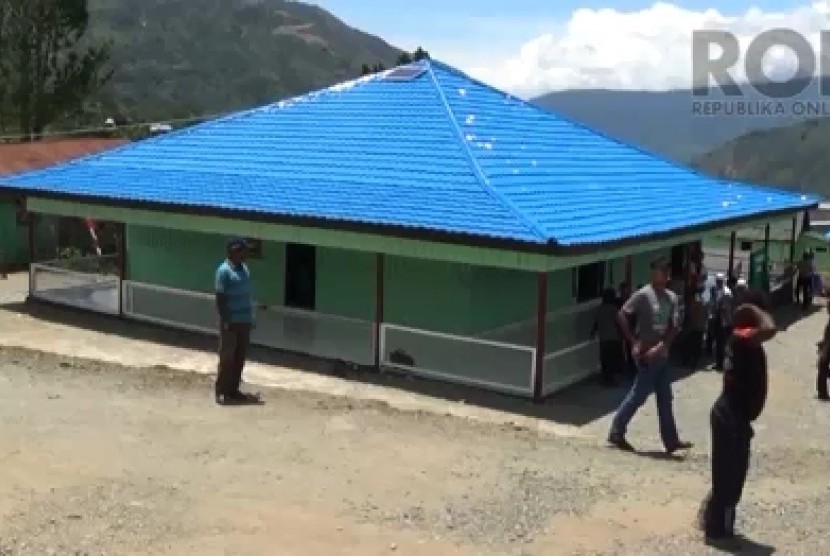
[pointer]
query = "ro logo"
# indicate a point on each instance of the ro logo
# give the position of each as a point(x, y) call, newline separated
point(704, 66)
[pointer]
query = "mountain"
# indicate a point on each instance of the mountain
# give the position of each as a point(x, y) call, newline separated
point(180, 58)
point(667, 123)
point(794, 157)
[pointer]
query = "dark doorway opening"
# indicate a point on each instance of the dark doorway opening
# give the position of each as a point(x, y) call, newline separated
point(678, 261)
point(590, 280)
point(300, 276)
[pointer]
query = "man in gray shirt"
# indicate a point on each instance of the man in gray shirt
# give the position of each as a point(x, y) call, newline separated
point(655, 308)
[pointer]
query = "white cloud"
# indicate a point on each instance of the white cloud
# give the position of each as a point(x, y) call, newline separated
point(648, 49)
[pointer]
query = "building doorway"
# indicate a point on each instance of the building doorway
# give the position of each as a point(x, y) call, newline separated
point(300, 276)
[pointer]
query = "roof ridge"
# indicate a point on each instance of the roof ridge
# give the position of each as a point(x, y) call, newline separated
point(476, 167)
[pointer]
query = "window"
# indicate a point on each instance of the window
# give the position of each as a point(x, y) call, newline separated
point(300, 276)
point(746, 246)
point(820, 249)
point(590, 281)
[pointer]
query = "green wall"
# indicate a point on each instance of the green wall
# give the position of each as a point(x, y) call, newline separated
point(14, 241)
point(188, 260)
point(346, 283)
point(427, 294)
point(432, 295)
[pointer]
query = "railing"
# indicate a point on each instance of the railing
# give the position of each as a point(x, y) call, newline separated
point(312, 333)
point(570, 353)
point(497, 366)
point(105, 265)
point(82, 283)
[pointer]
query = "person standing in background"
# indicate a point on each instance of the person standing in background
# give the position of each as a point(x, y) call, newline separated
point(720, 319)
point(824, 362)
point(804, 282)
point(698, 320)
point(610, 340)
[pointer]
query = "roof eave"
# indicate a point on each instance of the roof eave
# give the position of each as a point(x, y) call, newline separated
point(551, 247)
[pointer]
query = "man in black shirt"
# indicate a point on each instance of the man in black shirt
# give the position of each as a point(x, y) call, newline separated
point(824, 363)
point(740, 403)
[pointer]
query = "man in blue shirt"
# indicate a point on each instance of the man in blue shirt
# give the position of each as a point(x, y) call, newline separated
point(236, 315)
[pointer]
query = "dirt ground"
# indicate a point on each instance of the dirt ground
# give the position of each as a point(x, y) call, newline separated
point(98, 458)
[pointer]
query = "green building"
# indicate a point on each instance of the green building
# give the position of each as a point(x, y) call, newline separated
point(415, 219)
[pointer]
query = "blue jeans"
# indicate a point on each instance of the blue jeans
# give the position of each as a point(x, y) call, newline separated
point(651, 377)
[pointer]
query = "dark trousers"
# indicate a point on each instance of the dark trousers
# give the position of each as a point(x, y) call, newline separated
point(716, 337)
point(804, 290)
point(711, 326)
point(823, 375)
point(654, 377)
point(233, 349)
point(610, 358)
point(693, 347)
point(731, 438)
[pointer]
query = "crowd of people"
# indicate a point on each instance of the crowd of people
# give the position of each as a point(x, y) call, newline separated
point(706, 326)
point(723, 318)
point(637, 332)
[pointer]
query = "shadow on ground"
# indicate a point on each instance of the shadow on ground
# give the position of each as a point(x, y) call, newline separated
point(788, 315)
point(578, 405)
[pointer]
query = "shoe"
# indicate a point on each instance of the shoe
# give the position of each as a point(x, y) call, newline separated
point(681, 445)
point(243, 398)
point(620, 443)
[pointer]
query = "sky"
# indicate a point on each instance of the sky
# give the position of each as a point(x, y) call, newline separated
point(529, 47)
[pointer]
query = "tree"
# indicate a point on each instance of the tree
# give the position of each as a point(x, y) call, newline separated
point(420, 54)
point(404, 58)
point(51, 68)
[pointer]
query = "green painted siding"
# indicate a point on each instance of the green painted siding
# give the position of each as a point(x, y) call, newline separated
point(429, 295)
point(13, 242)
point(187, 260)
point(346, 283)
point(501, 297)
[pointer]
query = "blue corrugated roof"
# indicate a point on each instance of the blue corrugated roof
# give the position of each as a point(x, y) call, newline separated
point(440, 151)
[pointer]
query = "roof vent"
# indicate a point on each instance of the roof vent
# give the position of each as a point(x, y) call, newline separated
point(406, 73)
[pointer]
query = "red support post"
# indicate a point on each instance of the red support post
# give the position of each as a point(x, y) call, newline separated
point(122, 266)
point(30, 223)
point(378, 307)
point(541, 325)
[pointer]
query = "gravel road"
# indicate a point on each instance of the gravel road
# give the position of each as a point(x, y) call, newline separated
point(102, 459)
